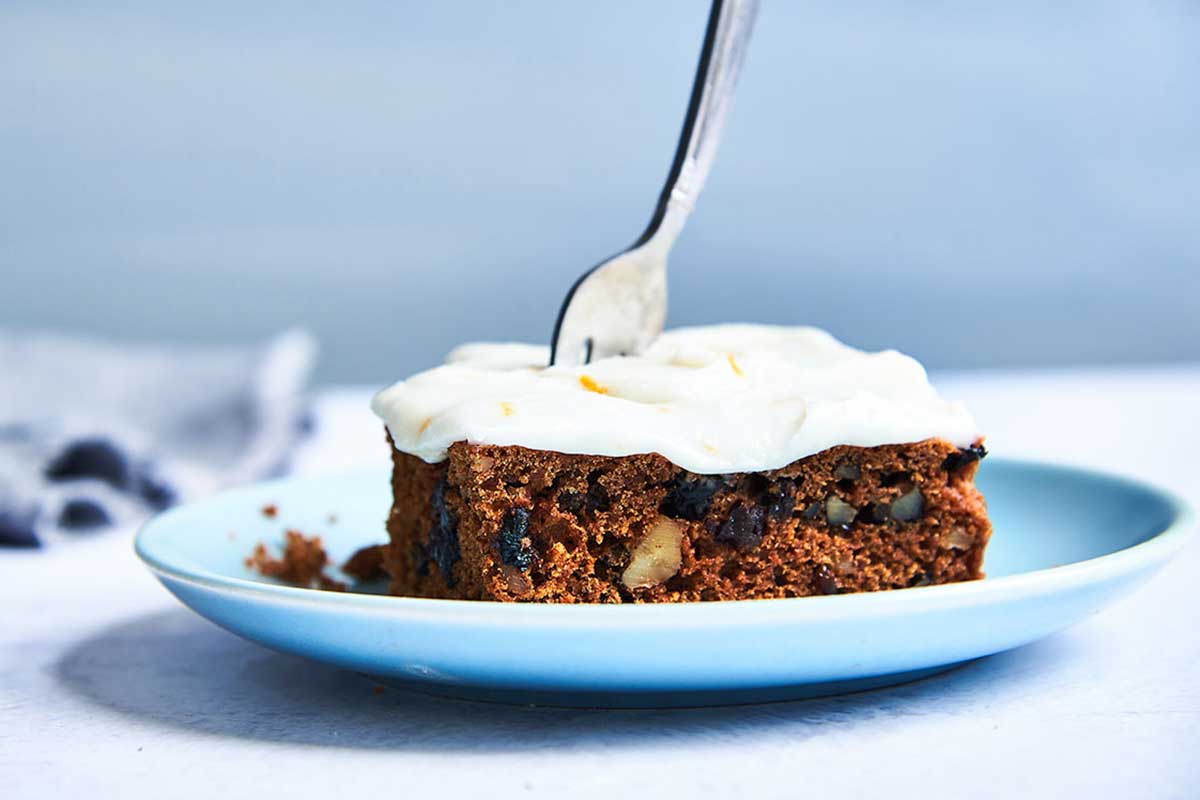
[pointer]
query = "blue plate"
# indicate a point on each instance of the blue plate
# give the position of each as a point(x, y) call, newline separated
point(1066, 542)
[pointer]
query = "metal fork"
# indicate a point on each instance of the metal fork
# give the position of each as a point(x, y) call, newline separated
point(618, 307)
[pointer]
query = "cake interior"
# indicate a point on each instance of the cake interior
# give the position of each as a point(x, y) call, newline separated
point(509, 523)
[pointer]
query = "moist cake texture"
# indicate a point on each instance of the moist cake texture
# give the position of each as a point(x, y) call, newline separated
point(510, 523)
point(732, 462)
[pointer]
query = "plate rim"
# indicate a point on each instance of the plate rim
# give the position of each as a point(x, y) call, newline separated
point(1155, 551)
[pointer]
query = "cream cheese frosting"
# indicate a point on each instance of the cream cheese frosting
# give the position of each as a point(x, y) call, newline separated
point(716, 399)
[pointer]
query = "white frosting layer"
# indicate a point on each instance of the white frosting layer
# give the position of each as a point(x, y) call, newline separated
point(726, 398)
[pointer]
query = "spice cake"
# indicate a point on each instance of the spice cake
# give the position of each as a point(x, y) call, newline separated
point(725, 462)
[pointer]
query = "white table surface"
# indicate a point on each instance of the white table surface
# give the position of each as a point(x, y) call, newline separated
point(109, 688)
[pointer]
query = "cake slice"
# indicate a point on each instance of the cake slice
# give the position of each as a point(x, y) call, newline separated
point(730, 462)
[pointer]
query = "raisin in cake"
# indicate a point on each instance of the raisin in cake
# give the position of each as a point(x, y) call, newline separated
point(726, 462)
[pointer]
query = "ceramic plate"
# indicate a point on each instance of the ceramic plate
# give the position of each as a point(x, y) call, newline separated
point(1066, 543)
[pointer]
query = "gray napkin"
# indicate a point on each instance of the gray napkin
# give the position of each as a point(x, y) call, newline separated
point(96, 433)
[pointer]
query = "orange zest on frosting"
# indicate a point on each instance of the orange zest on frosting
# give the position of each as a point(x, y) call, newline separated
point(424, 425)
point(506, 409)
point(587, 382)
point(736, 369)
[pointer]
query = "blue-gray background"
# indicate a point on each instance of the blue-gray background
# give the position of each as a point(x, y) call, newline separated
point(977, 184)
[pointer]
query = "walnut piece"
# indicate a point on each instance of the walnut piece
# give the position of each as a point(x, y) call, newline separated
point(958, 539)
point(838, 511)
point(908, 506)
point(656, 556)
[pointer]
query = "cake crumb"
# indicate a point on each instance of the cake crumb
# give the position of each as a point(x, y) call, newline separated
point(366, 564)
point(270, 511)
point(302, 563)
point(377, 690)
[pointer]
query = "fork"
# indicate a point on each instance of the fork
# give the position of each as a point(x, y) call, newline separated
point(619, 306)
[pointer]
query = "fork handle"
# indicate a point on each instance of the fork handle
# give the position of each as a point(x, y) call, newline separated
point(725, 42)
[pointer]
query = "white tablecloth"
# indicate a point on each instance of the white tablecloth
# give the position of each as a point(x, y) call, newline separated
point(108, 687)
